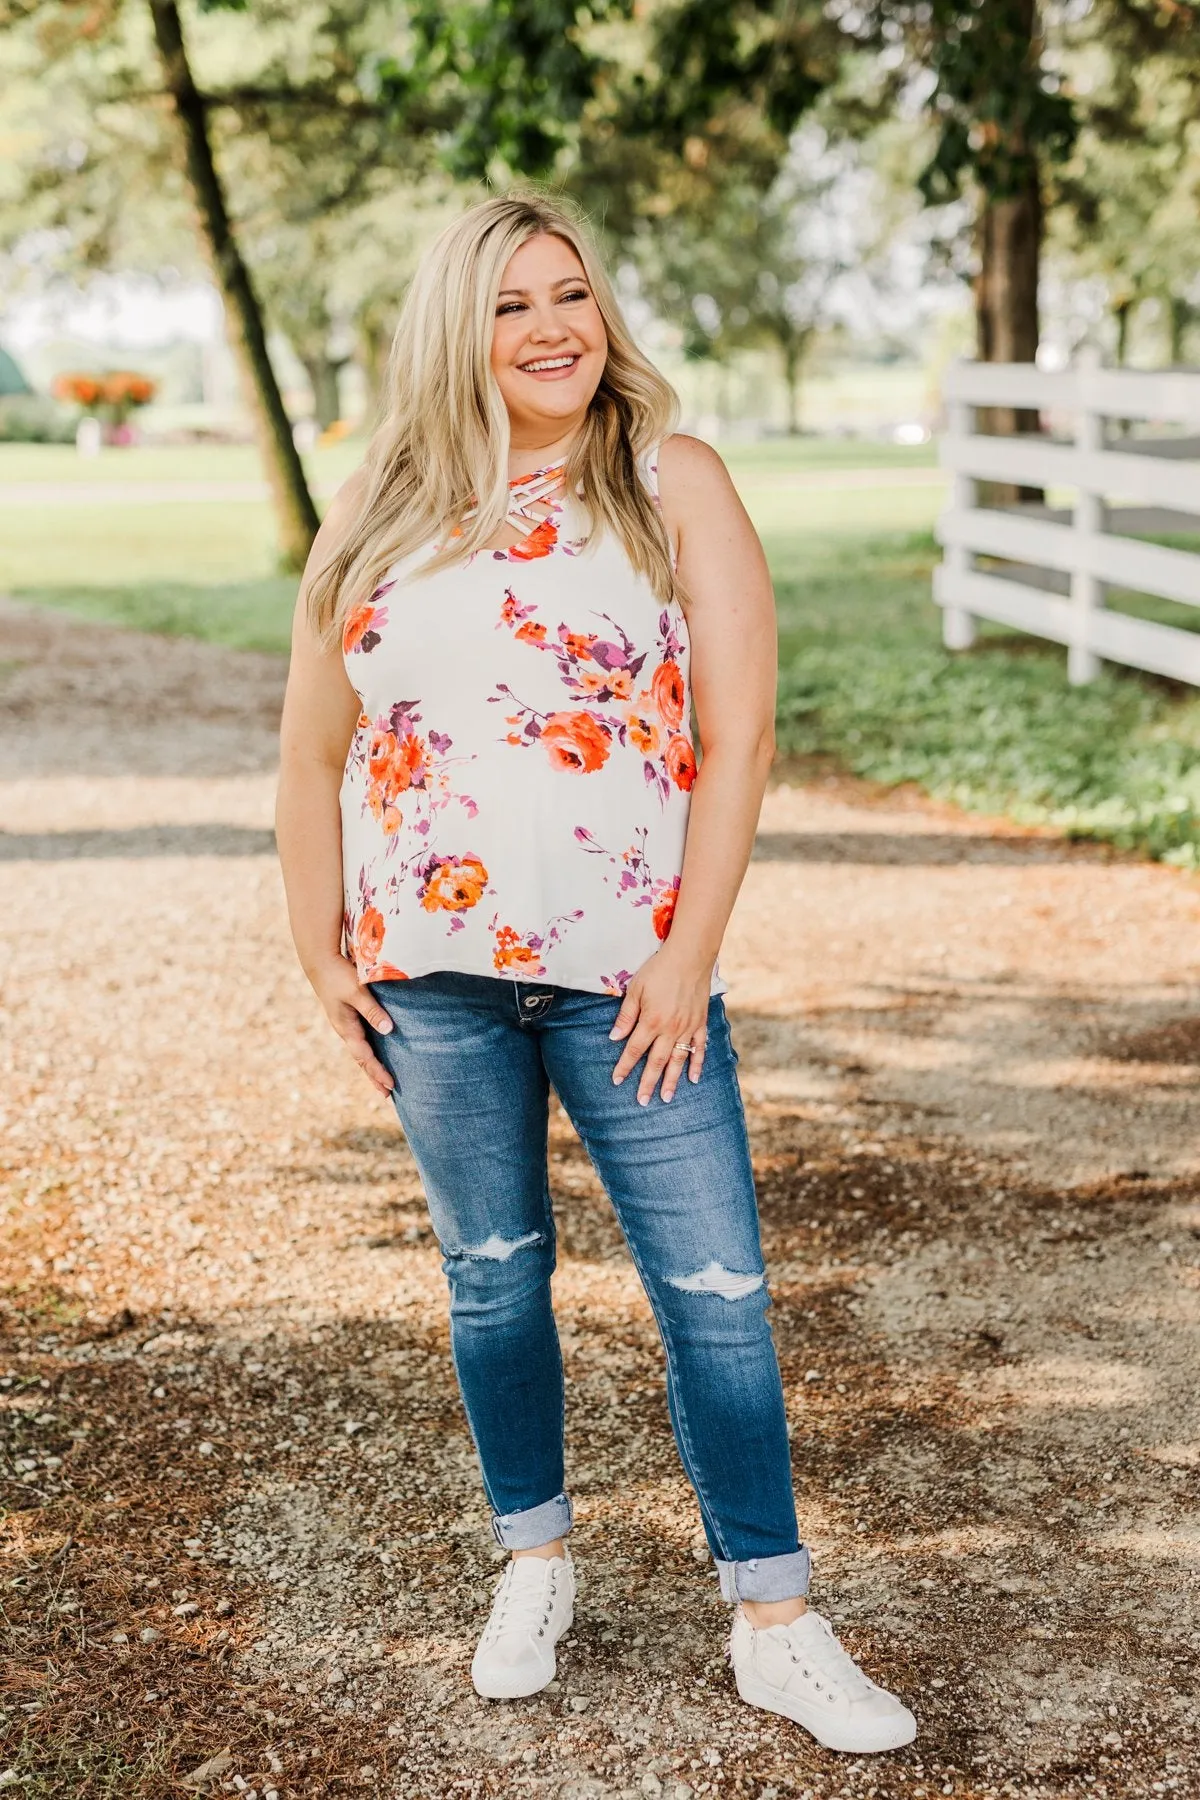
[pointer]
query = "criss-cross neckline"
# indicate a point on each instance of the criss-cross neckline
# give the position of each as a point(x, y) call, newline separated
point(531, 499)
point(535, 490)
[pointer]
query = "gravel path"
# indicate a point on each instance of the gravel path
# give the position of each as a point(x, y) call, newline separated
point(245, 1528)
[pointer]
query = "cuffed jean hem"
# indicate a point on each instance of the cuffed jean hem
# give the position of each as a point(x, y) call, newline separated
point(765, 1577)
point(536, 1526)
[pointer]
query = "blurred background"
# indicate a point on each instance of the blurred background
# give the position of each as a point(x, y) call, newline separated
point(209, 214)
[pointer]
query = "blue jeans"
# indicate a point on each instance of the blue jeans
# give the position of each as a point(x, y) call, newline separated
point(473, 1059)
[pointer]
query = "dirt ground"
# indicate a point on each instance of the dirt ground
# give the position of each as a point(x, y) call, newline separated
point(245, 1528)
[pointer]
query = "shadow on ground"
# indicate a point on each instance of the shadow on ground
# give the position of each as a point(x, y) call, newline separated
point(227, 1532)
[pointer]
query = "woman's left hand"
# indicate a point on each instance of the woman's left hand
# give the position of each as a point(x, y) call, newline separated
point(665, 1007)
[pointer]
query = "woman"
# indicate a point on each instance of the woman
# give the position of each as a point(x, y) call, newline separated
point(505, 869)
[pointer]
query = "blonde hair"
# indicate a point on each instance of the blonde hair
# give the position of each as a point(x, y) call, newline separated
point(443, 441)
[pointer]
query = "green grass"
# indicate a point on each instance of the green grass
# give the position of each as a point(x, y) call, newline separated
point(864, 678)
point(167, 462)
point(863, 674)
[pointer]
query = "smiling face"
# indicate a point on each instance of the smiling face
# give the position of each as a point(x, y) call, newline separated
point(549, 346)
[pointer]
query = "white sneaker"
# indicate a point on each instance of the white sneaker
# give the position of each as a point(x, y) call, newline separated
point(534, 1606)
point(801, 1671)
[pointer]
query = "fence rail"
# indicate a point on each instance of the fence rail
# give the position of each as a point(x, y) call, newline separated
point(1055, 567)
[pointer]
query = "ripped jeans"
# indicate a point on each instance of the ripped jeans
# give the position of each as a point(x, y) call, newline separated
point(473, 1059)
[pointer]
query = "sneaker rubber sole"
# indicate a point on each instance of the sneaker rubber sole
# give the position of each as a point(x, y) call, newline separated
point(516, 1684)
point(870, 1737)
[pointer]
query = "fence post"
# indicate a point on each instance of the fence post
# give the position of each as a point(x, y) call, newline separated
point(958, 627)
point(1089, 519)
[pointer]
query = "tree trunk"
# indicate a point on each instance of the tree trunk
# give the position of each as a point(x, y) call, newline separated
point(1123, 313)
point(323, 372)
point(791, 381)
point(1178, 320)
point(1006, 310)
point(296, 516)
point(374, 340)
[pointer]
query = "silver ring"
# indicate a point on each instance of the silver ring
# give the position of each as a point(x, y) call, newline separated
point(684, 1049)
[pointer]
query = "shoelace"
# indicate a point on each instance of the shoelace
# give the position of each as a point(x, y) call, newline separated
point(827, 1656)
point(525, 1608)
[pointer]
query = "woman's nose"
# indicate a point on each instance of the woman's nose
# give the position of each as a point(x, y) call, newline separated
point(546, 326)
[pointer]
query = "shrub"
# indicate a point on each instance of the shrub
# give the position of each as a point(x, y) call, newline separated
point(33, 419)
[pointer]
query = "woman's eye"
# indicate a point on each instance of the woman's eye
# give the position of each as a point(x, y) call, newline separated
point(509, 306)
point(578, 294)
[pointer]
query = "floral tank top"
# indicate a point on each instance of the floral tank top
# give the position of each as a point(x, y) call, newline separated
point(516, 792)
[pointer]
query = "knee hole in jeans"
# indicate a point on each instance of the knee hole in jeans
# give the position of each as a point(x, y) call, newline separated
point(715, 1279)
point(495, 1248)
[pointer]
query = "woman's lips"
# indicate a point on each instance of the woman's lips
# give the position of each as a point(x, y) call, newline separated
point(560, 373)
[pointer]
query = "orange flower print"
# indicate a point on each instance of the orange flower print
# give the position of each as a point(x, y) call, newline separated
point(384, 972)
point(666, 685)
point(452, 884)
point(577, 742)
point(368, 938)
point(680, 759)
point(380, 751)
point(663, 913)
point(364, 623)
point(512, 957)
point(540, 542)
point(395, 765)
point(644, 734)
point(578, 645)
point(604, 674)
point(520, 953)
point(635, 881)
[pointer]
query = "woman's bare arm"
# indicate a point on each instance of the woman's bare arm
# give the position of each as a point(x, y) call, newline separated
point(320, 710)
point(731, 622)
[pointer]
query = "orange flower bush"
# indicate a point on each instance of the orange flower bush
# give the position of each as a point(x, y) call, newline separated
point(117, 392)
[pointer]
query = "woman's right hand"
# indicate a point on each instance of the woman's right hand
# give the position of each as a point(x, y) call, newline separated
point(347, 1003)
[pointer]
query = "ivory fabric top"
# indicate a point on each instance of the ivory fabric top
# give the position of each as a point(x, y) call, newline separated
point(516, 792)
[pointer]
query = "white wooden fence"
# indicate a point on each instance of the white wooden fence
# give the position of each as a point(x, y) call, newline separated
point(1057, 564)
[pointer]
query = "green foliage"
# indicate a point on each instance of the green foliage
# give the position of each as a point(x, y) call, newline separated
point(774, 58)
point(998, 729)
point(863, 676)
point(32, 419)
point(1002, 113)
point(520, 82)
point(515, 75)
point(242, 615)
point(999, 110)
point(1126, 210)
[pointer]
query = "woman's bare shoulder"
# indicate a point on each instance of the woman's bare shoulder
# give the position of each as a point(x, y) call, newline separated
point(686, 459)
point(690, 473)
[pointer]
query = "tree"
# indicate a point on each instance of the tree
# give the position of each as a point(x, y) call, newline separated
point(1001, 119)
point(494, 87)
point(747, 270)
point(1127, 199)
point(295, 514)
